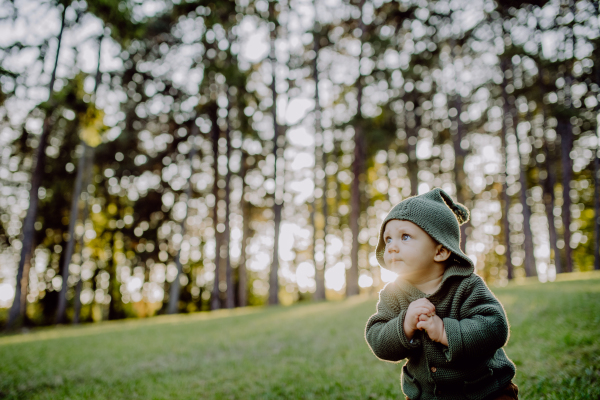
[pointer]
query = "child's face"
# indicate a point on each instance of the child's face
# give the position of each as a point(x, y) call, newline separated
point(410, 251)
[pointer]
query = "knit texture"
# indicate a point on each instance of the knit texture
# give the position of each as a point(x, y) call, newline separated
point(473, 366)
point(437, 214)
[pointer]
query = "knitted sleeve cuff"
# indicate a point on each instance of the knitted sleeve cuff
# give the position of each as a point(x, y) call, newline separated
point(455, 343)
point(413, 343)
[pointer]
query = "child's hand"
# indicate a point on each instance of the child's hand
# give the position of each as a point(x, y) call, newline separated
point(434, 326)
point(415, 309)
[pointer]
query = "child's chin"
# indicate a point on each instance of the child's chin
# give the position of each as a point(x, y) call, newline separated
point(395, 269)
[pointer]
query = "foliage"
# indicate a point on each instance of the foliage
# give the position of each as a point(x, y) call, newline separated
point(452, 94)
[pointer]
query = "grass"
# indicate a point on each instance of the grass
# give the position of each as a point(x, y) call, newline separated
point(310, 351)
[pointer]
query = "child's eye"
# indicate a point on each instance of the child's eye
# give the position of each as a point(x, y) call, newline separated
point(405, 236)
point(388, 240)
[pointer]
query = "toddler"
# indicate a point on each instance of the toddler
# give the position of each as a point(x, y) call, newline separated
point(438, 314)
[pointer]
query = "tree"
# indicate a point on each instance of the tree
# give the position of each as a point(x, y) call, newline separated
point(216, 133)
point(81, 167)
point(175, 285)
point(505, 196)
point(319, 269)
point(278, 195)
point(229, 298)
point(548, 184)
point(460, 178)
point(357, 169)
point(87, 173)
point(17, 308)
point(596, 178)
point(530, 267)
point(245, 205)
point(565, 130)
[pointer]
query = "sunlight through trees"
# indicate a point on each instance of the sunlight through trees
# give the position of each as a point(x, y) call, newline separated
point(186, 155)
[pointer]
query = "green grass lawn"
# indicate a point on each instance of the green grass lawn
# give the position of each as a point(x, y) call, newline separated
point(311, 351)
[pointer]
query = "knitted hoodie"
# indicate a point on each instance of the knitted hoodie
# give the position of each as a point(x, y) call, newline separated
point(474, 365)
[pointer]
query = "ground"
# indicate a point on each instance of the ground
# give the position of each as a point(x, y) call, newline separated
point(307, 351)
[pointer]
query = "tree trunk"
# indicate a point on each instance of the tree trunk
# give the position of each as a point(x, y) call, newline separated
point(245, 205)
point(115, 305)
point(278, 197)
point(549, 201)
point(17, 310)
point(230, 296)
point(506, 228)
point(459, 169)
point(216, 292)
point(505, 196)
point(530, 267)
point(596, 209)
point(596, 178)
point(566, 145)
point(77, 302)
point(320, 272)
point(565, 131)
point(319, 269)
point(352, 273)
point(388, 168)
point(175, 288)
point(412, 164)
point(79, 284)
point(313, 223)
point(23, 284)
point(62, 302)
point(89, 162)
point(357, 170)
point(273, 277)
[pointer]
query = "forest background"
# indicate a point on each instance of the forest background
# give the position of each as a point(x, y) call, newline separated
point(177, 156)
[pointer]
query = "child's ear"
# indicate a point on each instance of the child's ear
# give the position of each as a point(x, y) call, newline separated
point(441, 253)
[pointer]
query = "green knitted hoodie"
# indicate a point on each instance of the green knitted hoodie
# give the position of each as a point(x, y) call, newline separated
point(474, 365)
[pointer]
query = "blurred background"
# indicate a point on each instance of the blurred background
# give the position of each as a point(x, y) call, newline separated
point(162, 157)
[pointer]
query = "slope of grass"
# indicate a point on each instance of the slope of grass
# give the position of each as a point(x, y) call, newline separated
point(312, 351)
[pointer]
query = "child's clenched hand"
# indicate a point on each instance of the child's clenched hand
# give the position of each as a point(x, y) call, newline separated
point(434, 326)
point(415, 309)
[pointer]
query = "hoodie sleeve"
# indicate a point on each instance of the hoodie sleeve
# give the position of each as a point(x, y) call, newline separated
point(483, 327)
point(385, 333)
